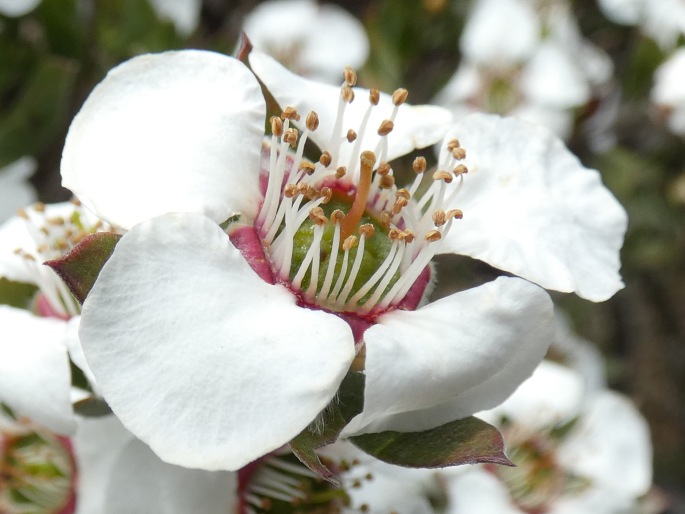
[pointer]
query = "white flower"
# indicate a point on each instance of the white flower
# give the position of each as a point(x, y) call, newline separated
point(600, 463)
point(35, 379)
point(15, 191)
point(664, 21)
point(314, 40)
point(185, 14)
point(216, 349)
point(16, 8)
point(526, 60)
point(668, 94)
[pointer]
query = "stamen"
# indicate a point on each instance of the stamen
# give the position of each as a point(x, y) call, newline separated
point(349, 243)
point(366, 231)
point(336, 218)
point(375, 277)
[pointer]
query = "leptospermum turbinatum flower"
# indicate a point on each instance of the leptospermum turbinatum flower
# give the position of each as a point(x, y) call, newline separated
point(250, 277)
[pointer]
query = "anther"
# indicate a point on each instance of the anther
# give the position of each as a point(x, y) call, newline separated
point(453, 143)
point(290, 113)
point(374, 96)
point(337, 216)
point(308, 167)
point(459, 153)
point(350, 76)
point(276, 126)
point(386, 181)
point(433, 235)
point(39, 207)
point(75, 201)
point(22, 214)
point(400, 96)
point(367, 230)
point(394, 234)
point(312, 121)
point(408, 236)
point(385, 127)
point(351, 136)
point(460, 169)
point(454, 213)
point(317, 216)
point(419, 165)
point(350, 242)
point(290, 137)
point(347, 94)
point(442, 175)
point(326, 193)
point(439, 218)
point(340, 172)
point(385, 219)
point(383, 169)
point(399, 204)
point(325, 159)
point(403, 193)
point(290, 190)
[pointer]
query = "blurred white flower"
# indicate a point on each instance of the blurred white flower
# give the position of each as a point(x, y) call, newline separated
point(16, 8)
point(15, 191)
point(668, 93)
point(314, 40)
point(184, 14)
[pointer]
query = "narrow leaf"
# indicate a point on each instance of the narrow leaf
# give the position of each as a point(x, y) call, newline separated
point(81, 266)
point(464, 441)
point(92, 407)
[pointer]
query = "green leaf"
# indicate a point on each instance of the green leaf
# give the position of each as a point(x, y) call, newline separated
point(16, 294)
point(92, 407)
point(81, 266)
point(325, 430)
point(464, 441)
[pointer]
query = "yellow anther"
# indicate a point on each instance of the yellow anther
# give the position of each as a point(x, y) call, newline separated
point(459, 153)
point(443, 175)
point(326, 159)
point(403, 193)
point(400, 96)
point(439, 218)
point(337, 216)
point(385, 219)
point(383, 169)
point(276, 126)
point(455, 213)
point(347, 94)
point(394, 234)
point(433, 235)
point(340, 172)
point(351, 136)
point(350, 242)
point(308, 167)
point(453, 143)
point(290, 190)
point(399, 204)
point(386, 181)
point(75, 201)
point(385, 127)
point(22, 214)
point(290, 113)
point(419, 165)
point(39, 207)
point(408, 236)
point(326, 193)
point(290, 137)
point(367, 230)
point(350, 76)
point(374, 96)
point(312, 121)
point(460, 169)
point(317, 216)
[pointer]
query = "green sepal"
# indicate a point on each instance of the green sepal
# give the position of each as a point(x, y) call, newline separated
point(325, 430)
point(464, 441)
point(81, 266)
point(16, 294)
point(92, 407)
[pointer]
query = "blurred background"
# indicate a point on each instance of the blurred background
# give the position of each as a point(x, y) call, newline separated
point(609, 81)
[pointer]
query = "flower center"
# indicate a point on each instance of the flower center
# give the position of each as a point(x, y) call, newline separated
point(338, 232)
point(37, 471)
point(54, 236)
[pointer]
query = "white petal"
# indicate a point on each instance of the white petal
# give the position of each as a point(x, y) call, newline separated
point(34, 369)
point(415, 126)
point(141, 483)
point(611, 446)
point(200, 358)
point(76, 351)
point(462, 354)
point(475, 490)
point(15, 191)
point(552, 395)
point(185, 14)
point(17, 7)
point(500, 32)
point(98, 443)
point(625, 12)
point(668, 80)
point(596, 501)
point(531, 208)
point(171, 132)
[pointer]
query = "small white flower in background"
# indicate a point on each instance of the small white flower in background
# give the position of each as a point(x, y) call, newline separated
point(15, 191)
point(35, 379)
point(527, 59)
point(16, 8)
point(37, 469)
point(185, 14)
point(314, 40)
point(662, 20)
point(216, 346)
point(668, 94)
point(576, 450)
